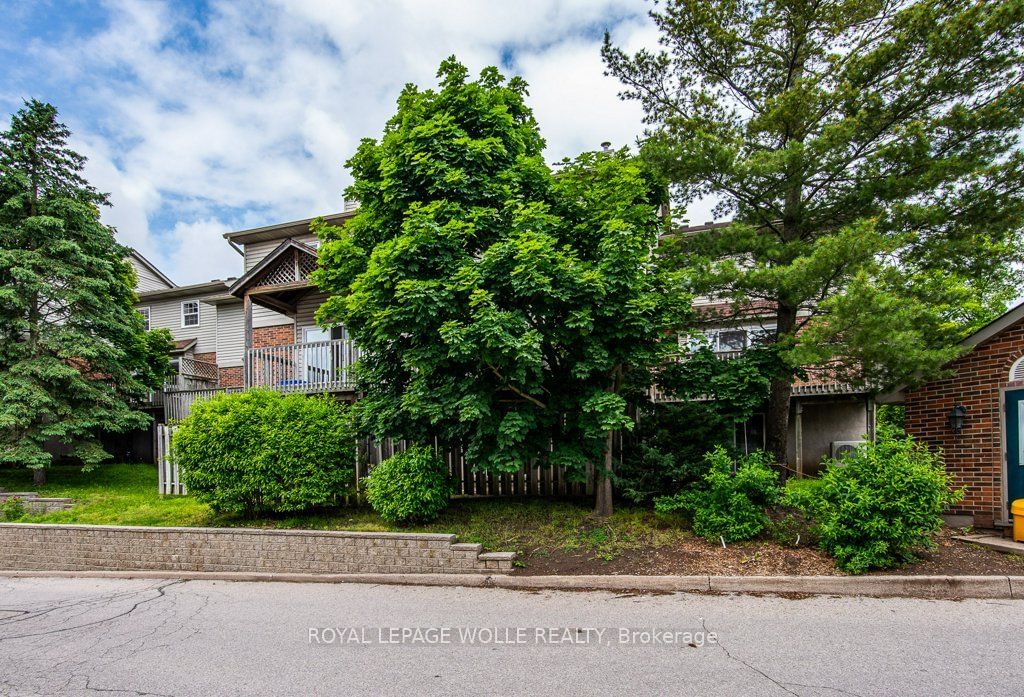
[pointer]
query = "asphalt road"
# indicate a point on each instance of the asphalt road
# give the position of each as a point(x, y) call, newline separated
point(121, 637)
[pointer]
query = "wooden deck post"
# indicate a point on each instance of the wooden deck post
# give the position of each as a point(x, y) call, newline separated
point(246, 361)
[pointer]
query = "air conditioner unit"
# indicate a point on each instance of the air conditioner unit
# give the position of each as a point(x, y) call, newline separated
point(841, 448)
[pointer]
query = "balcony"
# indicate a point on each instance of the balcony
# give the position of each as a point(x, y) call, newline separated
point(320, 366)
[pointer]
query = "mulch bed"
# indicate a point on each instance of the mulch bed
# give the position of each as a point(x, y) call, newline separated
point(697, 557)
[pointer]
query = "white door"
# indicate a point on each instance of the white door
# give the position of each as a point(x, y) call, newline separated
point(317, 358)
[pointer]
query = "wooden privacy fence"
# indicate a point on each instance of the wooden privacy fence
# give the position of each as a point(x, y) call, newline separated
point(539, 480)
point(545, 480)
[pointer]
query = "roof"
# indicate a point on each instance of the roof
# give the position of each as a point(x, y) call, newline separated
point(183, 345)
point(283, 230)
point(152, 267)
point(209, 288)
point(249, 277)
point(1007, 319)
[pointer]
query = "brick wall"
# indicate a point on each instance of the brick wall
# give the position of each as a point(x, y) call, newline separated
point(110, 548)
point(279, 335)
point(208, 357)
point(232, 377)
point(975, 455)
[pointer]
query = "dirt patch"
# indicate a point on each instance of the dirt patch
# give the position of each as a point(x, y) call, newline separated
point(959, 558)
point(685, 558)
point(693, 557)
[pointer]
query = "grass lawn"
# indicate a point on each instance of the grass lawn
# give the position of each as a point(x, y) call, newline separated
point(551, 536)
point(123, 494)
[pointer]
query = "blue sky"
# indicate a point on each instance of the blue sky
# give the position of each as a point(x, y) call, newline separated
point(205, 117)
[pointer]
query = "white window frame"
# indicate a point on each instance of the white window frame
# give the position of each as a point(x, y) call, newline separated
point(147, 315)
point(751, 331)
point(190, 314)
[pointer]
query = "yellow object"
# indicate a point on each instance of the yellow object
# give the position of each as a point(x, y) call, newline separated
point(1017, 511)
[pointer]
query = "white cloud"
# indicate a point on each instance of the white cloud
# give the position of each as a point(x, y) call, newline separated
point(247, 118)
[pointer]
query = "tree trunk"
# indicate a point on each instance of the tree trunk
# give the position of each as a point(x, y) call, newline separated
point(603, 486)
point(38, 476)
point(777, 418)
point(780, 392)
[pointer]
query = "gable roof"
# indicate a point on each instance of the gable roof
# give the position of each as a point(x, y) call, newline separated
point(1007, 319)
point(250, 277)
point(151, 267)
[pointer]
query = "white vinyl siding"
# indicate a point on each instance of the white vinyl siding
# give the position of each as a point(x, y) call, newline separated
point(304, 316)
point(255, 251)
point(230, 334)
point(190, 314)
point(146, 280)
point(166, 314)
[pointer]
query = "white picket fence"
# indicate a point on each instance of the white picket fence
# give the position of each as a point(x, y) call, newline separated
point(167, 471)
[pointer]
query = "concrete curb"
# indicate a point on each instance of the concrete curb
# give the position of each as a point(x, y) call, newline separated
point(927, 587)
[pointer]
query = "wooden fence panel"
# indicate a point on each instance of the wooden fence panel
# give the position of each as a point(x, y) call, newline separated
point(531, 481)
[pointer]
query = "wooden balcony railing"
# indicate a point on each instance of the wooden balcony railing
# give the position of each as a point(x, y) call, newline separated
point(319, 366)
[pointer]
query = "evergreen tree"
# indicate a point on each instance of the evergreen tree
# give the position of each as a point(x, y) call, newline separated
point(868, 154)
point(73, 352)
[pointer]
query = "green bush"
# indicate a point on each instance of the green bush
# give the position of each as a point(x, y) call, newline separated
point(664, 454)
point(729, 504)
point(411, 487)
point(880, 504)
point(260, 451)
point(12, 509)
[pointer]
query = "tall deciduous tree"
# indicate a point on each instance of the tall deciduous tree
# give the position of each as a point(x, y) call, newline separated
point(498, 306)
point(868, 153)
point(73, 351)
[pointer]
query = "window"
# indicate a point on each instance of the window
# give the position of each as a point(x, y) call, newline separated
point(732, 340)
point(190, 313)
point(144, 311)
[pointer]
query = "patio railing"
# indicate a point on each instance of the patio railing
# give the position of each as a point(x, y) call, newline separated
point(319, 366)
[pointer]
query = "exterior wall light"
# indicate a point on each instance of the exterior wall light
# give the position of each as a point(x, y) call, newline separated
point(957, 417)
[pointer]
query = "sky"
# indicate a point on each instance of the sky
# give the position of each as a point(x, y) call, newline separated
point(205, 117)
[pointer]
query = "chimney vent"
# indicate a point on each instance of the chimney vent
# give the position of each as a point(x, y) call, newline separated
point(606, 146)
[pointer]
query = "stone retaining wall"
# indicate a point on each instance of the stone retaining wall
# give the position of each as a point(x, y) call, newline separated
point(109, 548)
point(34, 503)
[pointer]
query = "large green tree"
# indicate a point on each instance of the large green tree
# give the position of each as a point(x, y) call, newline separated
point(868, 154)
point(499, 307)
point(73, 352)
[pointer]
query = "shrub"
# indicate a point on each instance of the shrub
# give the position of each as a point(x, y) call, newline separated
point(880, 504)
point(729, 504)
point(665, 452)
point(260, 451)
point(12, 509)
point(410, 487)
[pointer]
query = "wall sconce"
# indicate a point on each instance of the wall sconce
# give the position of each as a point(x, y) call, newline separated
point(956, 418)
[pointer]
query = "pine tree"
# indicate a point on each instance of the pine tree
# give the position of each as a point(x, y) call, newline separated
point(73, 350)
point(868, 152)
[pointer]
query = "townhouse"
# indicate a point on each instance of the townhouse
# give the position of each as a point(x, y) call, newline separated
point(258, 330)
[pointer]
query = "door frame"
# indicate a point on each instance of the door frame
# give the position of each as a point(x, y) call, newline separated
point(1004, 493)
